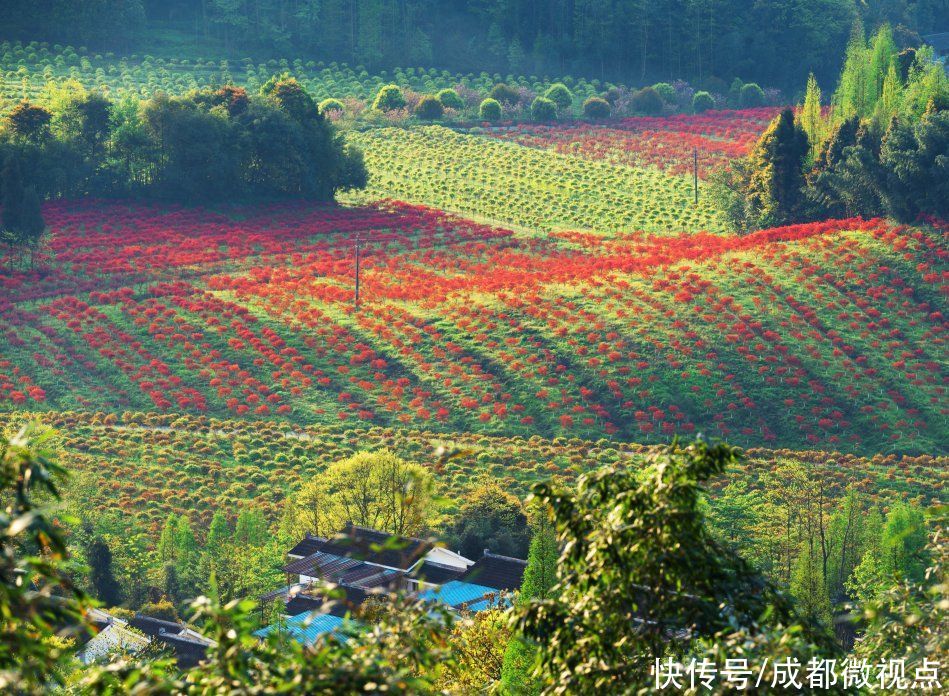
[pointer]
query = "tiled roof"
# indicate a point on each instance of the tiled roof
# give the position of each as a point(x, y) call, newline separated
point(457, 593)
point(190, 647)
point(377, 547)
point(435, 573)
point(307, 627)
point(348, 599)
point(343, 571)
point(306, 546)
point(499, 572)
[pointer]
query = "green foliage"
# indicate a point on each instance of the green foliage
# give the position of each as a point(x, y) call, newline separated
point(666, 91)
point(389, 98)
point(504, 94)
point(540, 576)
point(702, 102)
point(490, 518)
point(371, 489)
point(810, 117)
point(39, 604)
point(208, 145)
point(646, 101)
point(751, 96)
point(560, 95)
point(641, 577)
point(490, 110)
point(331, 104)
point(907, 619)
point(104, 585)
point(596, 108)
point(429, 108)
point(543, 109)
point(29, 122)
point(777, 162)
point(450, 100)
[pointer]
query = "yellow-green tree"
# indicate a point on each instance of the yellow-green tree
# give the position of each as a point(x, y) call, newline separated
point(810, 116)
point(370, 489)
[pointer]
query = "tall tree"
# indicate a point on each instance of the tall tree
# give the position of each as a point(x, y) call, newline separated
point(775, 190)
point(101, 575)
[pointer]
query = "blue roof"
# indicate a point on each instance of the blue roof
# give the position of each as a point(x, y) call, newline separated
point(307, 627)
point(457, 592)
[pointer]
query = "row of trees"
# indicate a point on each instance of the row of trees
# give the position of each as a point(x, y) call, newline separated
point(220, 144)
point(624, 572)
point(669, 39)
point(880, 148)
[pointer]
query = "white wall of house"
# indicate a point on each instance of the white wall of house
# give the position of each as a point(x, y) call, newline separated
point(445, 557)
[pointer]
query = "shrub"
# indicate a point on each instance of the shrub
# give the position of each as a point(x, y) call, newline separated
point(505, 94)
point(559, 95)
point(666, 91)
point(429, 108)
point(450, 100)
point(331, 104)
point(702, 101)
point(490, 110)
point(647, 101)
point(595, 107)
point(389, 98)
point(543, 109)
point(751, 95)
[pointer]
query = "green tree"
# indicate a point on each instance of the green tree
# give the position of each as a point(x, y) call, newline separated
point(370, 489)
point(389, 98)
point(491, 518)
point(560, 95)
point(777, 161)
point(490, 110)
point(641, 577)
point(702, 102)
point(33, 647)
point(596, 108)
point(810, 116)
point(540, 576)
point(903, 543)
point(543, 109)
point(101, 575)
point(751, 96)
point(450, 100)
point(29, 122)
point(429, 108)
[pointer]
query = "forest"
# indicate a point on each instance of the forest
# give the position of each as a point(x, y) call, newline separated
point(707, 42)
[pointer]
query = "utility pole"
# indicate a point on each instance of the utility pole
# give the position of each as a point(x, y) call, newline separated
point(357, 270)
point(695, 173)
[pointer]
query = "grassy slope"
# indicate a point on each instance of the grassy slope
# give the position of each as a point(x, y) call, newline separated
point(527, 187)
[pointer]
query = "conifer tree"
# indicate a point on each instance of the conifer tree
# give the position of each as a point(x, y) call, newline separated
point(810, 117)
point(775, 189)
point(850, 98)
point(880, 57)
point(539, 578)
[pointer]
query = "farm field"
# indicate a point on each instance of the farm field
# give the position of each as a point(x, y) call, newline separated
point(523, 186)
point(149, 465)
point(826, 335)
point(27, 68)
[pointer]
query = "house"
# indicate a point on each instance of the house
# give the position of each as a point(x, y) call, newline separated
point(138, 632)
point(114, 635)
point(486, 584)
point(369, 559)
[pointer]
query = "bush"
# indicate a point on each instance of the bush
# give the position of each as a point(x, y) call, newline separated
point(429, 108)
point(505, 94)
point(389, 98)
point(450, 100)
point(702, 101)
point(490, 110)
point(666, 91)
point(647, 101)
point(751, 96)
point(331, 104)
point(559, 95)
point(595, 107)
point(543, 109)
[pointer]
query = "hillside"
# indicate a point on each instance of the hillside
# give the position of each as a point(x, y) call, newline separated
point(827, 335)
